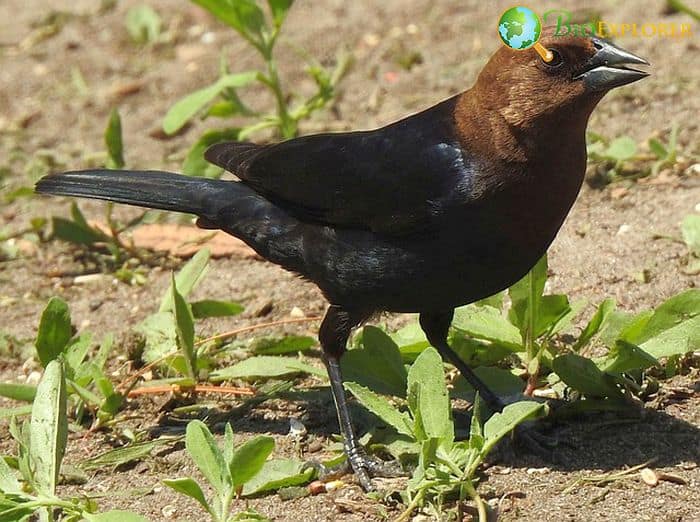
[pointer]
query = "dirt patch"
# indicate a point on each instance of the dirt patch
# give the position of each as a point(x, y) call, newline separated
point(606, 248)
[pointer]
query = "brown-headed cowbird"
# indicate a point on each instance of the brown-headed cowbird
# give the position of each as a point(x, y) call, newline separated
point(437, 210)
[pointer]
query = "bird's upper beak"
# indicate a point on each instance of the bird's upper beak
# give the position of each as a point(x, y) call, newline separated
point(606, 69)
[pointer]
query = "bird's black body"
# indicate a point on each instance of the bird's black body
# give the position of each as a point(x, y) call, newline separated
point(437, 210)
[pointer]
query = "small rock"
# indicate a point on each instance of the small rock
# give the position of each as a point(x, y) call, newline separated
point(264, 310)
point(34, 377)
point(624, 228)
point(315, 446)
point(649, 477)
point(168, 511)
point(88, 278)
point(670, 477)
point(297, 312)
point(317, 487)
point(539, 471)
point(297, 430)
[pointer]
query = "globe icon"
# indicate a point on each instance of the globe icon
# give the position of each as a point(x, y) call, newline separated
point(519, 28)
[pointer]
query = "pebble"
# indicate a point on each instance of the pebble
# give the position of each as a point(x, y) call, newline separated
point(297, 312)
point(168, 511)
point(624, 228)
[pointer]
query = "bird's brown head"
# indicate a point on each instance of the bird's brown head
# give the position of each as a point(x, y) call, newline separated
point(528, 91)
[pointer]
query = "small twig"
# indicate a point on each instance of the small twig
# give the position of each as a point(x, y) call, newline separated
point(199, 388)
point(606, 478)
point(250, 328)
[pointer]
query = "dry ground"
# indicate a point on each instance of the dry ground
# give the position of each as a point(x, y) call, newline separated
point(604, 247)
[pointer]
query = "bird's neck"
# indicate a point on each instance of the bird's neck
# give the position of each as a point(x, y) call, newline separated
point(518, 134)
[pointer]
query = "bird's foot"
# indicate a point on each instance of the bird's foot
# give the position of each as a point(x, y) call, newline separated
point(529, 438)
point(362, 465)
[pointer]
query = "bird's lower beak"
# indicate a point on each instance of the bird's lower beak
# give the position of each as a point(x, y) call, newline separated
point(606, 68)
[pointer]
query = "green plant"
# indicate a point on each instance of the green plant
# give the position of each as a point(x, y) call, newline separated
point(234, 471)
point(664, 152)
point(690, 229)
point(221, 99)
point(89, 388)
point(425, 435)
point(168, 334)
point(143, 24)
point(42, 445)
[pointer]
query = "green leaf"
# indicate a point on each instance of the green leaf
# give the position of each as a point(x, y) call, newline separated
point(671, 313)
point(76, 231)
point(17, 391)
point(143, 24)
point(119, 456)
point(115, 515)
point(476, 428)
point(207, 456)
point(626, 356)
point(622, 148)
point(552, 309)
point(8, 481)
point(582, 374)
point(248, 459)
point(49, 428)
point(75, 354)
point(276, 474)
point(500, 424)
point(411, 341)
point(265, 367)
point(187, 278)
point(195, 164)
point(690, 228)
point(486, 322)
point(382, 408)
point(55, 330)
point(526, 296)
point(113, 141)
point(242, 15)
point(189, 487)
point(279, 9)
point(184, 323)
point(502, 382)
point(678, 340)
point(476, 353)
point(595, 324)
point(377, 365)
point(212, 308)
point(658, 148)
point(285, 345)
point(432, 400)
point(159, 332)
point(20, 411)
point(186, 108)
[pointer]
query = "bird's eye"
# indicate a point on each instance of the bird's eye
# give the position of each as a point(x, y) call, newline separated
point(556, 60)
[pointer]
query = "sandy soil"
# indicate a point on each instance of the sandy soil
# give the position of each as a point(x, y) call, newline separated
point(603, 249)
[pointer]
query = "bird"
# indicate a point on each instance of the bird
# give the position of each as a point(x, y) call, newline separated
point(434, 211)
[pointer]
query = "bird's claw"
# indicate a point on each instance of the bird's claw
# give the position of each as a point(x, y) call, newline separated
point(362, 465)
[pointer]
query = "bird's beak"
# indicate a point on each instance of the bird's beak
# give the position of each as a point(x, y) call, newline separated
point(606, 69)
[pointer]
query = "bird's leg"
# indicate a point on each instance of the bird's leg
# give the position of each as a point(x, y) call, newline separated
point(333, 335)
point(436, 327)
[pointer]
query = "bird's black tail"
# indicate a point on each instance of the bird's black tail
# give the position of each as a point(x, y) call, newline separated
point(146, 188)
point(228, 205)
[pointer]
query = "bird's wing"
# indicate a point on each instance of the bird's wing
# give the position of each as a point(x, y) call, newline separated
point(393, 180)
